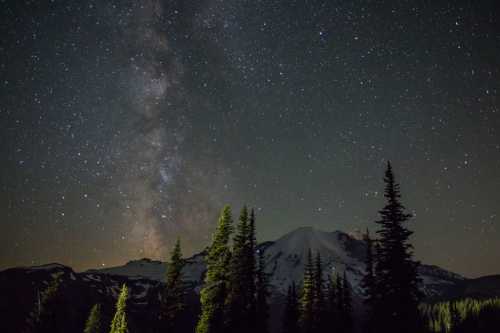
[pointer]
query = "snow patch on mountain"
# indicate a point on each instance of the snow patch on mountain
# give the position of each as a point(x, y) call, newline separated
point(287, 256)
point(285, 260)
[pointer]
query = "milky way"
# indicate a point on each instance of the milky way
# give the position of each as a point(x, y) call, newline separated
point(167, 194)
point(127, 124)
point(145, 187)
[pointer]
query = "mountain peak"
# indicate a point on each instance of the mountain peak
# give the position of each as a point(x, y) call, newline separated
point(287, 256)
point(302, 239)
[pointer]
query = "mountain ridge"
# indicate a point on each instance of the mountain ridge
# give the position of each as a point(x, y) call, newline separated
point(285, 258)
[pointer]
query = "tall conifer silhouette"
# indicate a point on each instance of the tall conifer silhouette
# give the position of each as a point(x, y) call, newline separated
point(214, 293)
point(396, 272)
point(307, 297)
point(291, 312)
point(173, 302)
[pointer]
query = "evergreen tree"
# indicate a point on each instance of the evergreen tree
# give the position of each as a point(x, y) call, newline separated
point(340, 301)
point(44, 317)
point(462, 316)
point(454, 317)
point(173, 302)
point(331, 304)
point(319, 297)
point(262, 295)
point(377, 292)
point(213, 295)
point(368, 284)
point(307, 297)
point(347, 323)
point(251, 270)
point(119, 322)
point(239, 298)
point(94, 321)
point(396, 272)
point(291, 312)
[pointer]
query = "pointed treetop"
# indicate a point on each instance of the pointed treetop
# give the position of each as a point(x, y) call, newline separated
point(388, 172)
point(251, 227)
point(224, 226)
point(176, 251)
point(119, 322)
point(93, 323)
point(244, 213)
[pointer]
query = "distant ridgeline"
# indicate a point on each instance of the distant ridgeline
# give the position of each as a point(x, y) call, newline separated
point(467, 315)
point(349, 285)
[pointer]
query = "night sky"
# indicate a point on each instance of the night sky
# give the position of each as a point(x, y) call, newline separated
point(125, 124)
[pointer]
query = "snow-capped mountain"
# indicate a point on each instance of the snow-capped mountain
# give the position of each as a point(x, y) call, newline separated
point(340, 252)
point(287, 256)
point(285, 259)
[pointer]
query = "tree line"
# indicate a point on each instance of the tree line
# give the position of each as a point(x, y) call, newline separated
point(462, 316)
point(320, 305)
point(236, 290)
